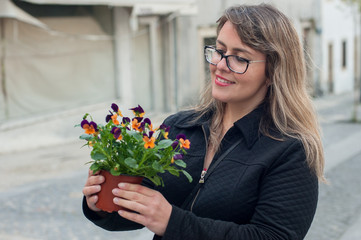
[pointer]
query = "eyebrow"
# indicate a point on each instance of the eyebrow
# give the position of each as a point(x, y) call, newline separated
point(235, 49)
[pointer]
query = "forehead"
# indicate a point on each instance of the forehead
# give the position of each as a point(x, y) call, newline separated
point(228, 37)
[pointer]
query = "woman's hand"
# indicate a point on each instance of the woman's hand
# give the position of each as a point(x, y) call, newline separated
point(152, 210)
point(91, 188)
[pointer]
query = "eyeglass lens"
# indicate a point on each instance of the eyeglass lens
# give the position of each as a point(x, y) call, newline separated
point(234, 63)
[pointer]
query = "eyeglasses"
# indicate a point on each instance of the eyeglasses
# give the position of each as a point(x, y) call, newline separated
point(234, 63)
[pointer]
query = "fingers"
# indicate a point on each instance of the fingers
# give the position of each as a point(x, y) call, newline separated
point(128, 204)
point(91, 172)
point(136, 188)
point(91, 190)
point(144, 206)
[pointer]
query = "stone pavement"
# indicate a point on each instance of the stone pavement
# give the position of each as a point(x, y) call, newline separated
point(40, 187)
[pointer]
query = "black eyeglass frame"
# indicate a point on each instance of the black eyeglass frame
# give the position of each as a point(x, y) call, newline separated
point(226, 57)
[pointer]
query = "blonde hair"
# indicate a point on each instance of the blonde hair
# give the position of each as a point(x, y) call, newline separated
point(289, 108)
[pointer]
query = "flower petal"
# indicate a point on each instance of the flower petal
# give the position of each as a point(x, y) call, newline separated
point(115, 107)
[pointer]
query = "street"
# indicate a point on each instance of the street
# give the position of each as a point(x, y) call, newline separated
point(40, 188)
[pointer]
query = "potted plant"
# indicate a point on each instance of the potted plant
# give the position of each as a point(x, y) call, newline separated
point(132, 149)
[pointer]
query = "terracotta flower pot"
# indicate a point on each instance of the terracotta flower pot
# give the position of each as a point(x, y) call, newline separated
point(105, 196)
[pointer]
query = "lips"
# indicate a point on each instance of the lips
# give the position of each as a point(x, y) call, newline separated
point(220, 81)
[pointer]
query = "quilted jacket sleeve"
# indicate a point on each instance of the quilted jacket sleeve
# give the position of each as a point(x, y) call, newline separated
point(110, 221)
point(285, 209)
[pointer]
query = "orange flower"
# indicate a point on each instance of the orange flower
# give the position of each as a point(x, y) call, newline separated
point(149, 142)
point(136, 125)
point(184, 143)
point(114, 119)
point(90, 128)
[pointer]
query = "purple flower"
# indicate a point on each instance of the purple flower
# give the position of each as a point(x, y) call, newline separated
point(139, 119)
point(90, 128)
point(84, 122)
point(138, 111)
point(148, 135)
point(109, 117)
point(164, 127)
point(178, 156)
point(145, 121)
point(126, 120)
point(175, 144)
point(115, 107)
point(181, 136)
point(116, 132)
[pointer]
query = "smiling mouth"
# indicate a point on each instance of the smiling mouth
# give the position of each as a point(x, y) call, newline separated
point(222, 82)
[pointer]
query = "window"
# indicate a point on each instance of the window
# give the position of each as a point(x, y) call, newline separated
point(344, 55)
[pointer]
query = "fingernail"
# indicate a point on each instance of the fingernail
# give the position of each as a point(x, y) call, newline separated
point(120, 212)
point(121, 185)
point(114, 191)
point(115, 200)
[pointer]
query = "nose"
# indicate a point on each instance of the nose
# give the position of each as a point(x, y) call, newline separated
point(222, 65)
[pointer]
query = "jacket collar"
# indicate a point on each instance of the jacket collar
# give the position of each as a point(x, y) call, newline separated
point(248, 125)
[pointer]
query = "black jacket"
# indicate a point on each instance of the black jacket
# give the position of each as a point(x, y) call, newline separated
point(262, 189)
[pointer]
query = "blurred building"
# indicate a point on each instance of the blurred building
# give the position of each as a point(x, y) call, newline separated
point(57, 55)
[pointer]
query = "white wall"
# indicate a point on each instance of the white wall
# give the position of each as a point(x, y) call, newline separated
point(338, 26)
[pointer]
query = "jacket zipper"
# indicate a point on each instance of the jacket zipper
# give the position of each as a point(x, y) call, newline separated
point(201, 181)
point(203, 174)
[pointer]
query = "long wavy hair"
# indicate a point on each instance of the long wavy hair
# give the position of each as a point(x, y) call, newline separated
point(289, 108)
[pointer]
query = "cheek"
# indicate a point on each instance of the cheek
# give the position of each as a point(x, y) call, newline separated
point(212, 69)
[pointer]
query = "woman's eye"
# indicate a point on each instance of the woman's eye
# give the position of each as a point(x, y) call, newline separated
point(220, 50)
point(240, 59)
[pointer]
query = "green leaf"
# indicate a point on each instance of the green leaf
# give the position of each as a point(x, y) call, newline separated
point(180, 163)
point(131, 153)
point(131, 162)
point(86, 137)
point(94, 167)
point(136, 135)
point(156, 180)
point(165, 143)
point(190, 179)
point(157, 166)
point(173, 172)
point(114, 172)
point(97, 156)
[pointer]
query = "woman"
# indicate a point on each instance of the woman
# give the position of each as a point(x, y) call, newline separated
point(254, 135)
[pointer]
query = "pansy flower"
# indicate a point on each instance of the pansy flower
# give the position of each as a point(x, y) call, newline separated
point(117, 132)
point(146, 122)
point(114, 119)
point(109, 117)
point(175, 144)
point(90, 128)
point(125, 121)
point(184, 142)
point(165, 130)
point(138, 111)
point(176, 157)
point(136, 123)
point(149, 140)
point(116, 109)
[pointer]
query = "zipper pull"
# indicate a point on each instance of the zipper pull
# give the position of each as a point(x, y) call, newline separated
point(203, 174)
